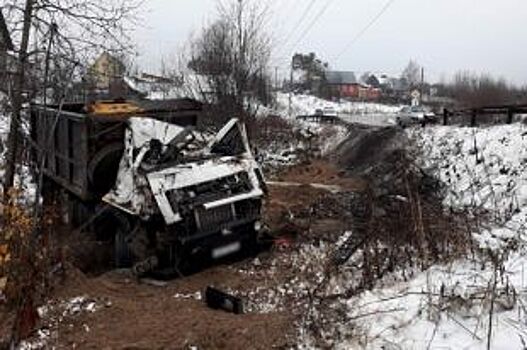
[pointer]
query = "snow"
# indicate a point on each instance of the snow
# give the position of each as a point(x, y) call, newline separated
point(484, 169)
point(188, 84)
point(357, 112)
point(57, 312)
point(24, 181)
point(4, 130)
point(447, 307)
point(156, 90)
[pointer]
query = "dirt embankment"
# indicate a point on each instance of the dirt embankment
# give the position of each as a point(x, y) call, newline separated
point(291, 204)
point(127, 314)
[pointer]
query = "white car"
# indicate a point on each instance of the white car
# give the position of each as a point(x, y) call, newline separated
point(415, 114)
point(330, 112)
point(326, 112)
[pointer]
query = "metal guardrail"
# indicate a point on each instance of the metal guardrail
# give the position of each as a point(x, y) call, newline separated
point(320, 118)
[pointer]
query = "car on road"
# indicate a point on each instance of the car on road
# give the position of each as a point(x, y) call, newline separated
point(409, 115)
point(326, 112)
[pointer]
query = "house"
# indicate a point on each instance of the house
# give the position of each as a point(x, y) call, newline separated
point(369, 93)
point(106, 70)
point(342, 84)
point(346, 85)
point(373, 81)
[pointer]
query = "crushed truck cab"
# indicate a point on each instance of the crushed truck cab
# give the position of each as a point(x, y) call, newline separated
point(177, 193)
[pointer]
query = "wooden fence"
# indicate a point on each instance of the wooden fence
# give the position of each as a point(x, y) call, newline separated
point(483, 115)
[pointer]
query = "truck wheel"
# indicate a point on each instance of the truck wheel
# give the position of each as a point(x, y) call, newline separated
point(103, 168)
point(114, 228)
point(122, 255)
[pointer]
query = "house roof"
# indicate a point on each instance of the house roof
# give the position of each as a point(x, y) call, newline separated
point(341, 78)
point(5, 39)
point(399, 84)
point(111, 59)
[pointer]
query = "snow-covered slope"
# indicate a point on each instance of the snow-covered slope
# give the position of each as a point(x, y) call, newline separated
point(483, 168)
point(450, 306)
point(307, 104)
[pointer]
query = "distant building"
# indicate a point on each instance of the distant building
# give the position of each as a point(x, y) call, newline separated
point(106, 70)
point(342, 84)
point(373, 81)
point(345, 85)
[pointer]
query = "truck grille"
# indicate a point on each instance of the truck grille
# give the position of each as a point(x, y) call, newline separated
point(217, 218)
point(196, 195)
point(213, 219)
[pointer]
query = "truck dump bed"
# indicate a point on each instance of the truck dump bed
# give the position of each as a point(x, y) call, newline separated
point(82, 145)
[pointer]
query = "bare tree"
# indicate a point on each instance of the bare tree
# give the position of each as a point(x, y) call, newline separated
point(232, 55)
point(67, 32)
point(52, 40)
point(473, 90)
point(412, 73)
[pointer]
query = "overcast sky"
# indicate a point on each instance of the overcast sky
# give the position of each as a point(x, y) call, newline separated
point(442, 35)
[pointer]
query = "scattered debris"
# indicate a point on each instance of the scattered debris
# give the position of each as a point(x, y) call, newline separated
point(195, 296)
point(153, 282)
point(217, 299)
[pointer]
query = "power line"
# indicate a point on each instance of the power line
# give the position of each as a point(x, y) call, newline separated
point(299, 22)
point(365, 29)
point(289, 9)
point(312, 24)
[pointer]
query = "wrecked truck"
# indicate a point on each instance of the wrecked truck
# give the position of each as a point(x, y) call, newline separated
point(146, 180)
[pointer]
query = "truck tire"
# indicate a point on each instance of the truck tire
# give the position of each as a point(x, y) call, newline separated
point(114, 227)
point(103, 168)
point(122, 255)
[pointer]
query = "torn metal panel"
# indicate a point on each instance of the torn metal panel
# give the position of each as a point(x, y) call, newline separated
point(131, 192)
point(166, 170)
point(175, 179)
point(143, 130)
point(231, 140)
